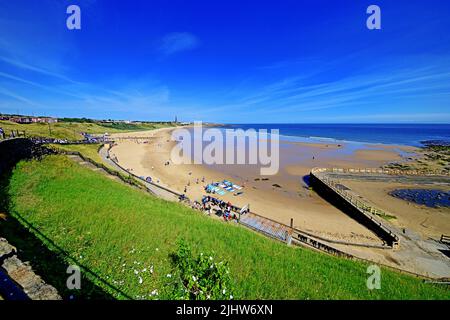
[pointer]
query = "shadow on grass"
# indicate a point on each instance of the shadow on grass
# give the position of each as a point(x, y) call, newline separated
point(46, 258)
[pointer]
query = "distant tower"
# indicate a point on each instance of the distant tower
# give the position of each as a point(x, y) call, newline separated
point(176, 119)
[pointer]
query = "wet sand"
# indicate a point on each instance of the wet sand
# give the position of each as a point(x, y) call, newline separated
point(428, 222)
point(280, 197)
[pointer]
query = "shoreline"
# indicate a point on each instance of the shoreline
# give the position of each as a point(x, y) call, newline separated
point(280, 197)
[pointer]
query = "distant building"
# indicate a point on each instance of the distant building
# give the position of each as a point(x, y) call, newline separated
point(44, 120)
point(26, 120)
point(22, 120)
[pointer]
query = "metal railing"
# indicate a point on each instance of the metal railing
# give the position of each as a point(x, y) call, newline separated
point(382, 171)
point(363, 207)
point(445, 239)
point(175, 193)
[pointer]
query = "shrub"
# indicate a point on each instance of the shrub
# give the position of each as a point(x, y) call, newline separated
point(198, 278)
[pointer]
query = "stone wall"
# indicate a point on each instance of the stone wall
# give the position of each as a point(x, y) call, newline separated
point(351, 210)
point(14, 150)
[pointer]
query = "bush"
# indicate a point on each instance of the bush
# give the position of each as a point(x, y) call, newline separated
point(199, 278)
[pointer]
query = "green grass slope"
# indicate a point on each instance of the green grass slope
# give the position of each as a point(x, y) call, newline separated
point(87, 150)
point(115, 230)
point(72, 130)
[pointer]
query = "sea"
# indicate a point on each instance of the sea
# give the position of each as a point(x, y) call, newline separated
point(416, 135)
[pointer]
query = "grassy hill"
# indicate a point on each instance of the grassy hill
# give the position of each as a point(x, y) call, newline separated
point(87, 150)
point(72, 130)
point(115, 230)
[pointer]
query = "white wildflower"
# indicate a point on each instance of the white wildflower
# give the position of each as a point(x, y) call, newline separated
point(194, 278)
point(140, 280)
point(136, 272)
point(169, 275)
point(231, 297)
point(154, 292)
point(224, 291)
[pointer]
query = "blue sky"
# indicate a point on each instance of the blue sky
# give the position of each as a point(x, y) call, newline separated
point(227, 61)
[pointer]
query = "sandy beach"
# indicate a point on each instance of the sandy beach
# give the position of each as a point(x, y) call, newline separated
point(280, 197)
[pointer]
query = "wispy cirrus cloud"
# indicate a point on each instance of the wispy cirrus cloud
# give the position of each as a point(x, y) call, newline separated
point(416, 93)
point(178, 41)
point(29, 67)
point(45, 90)
point(15, 96)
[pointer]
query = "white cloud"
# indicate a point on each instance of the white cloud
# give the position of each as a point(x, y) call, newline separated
point(178, 41)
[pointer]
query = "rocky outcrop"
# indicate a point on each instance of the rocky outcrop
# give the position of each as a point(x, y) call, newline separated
point(19, 281)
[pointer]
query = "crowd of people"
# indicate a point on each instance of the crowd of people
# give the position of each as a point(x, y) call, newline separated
point(50, 140)
point(210, 205)
point(221, 208)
